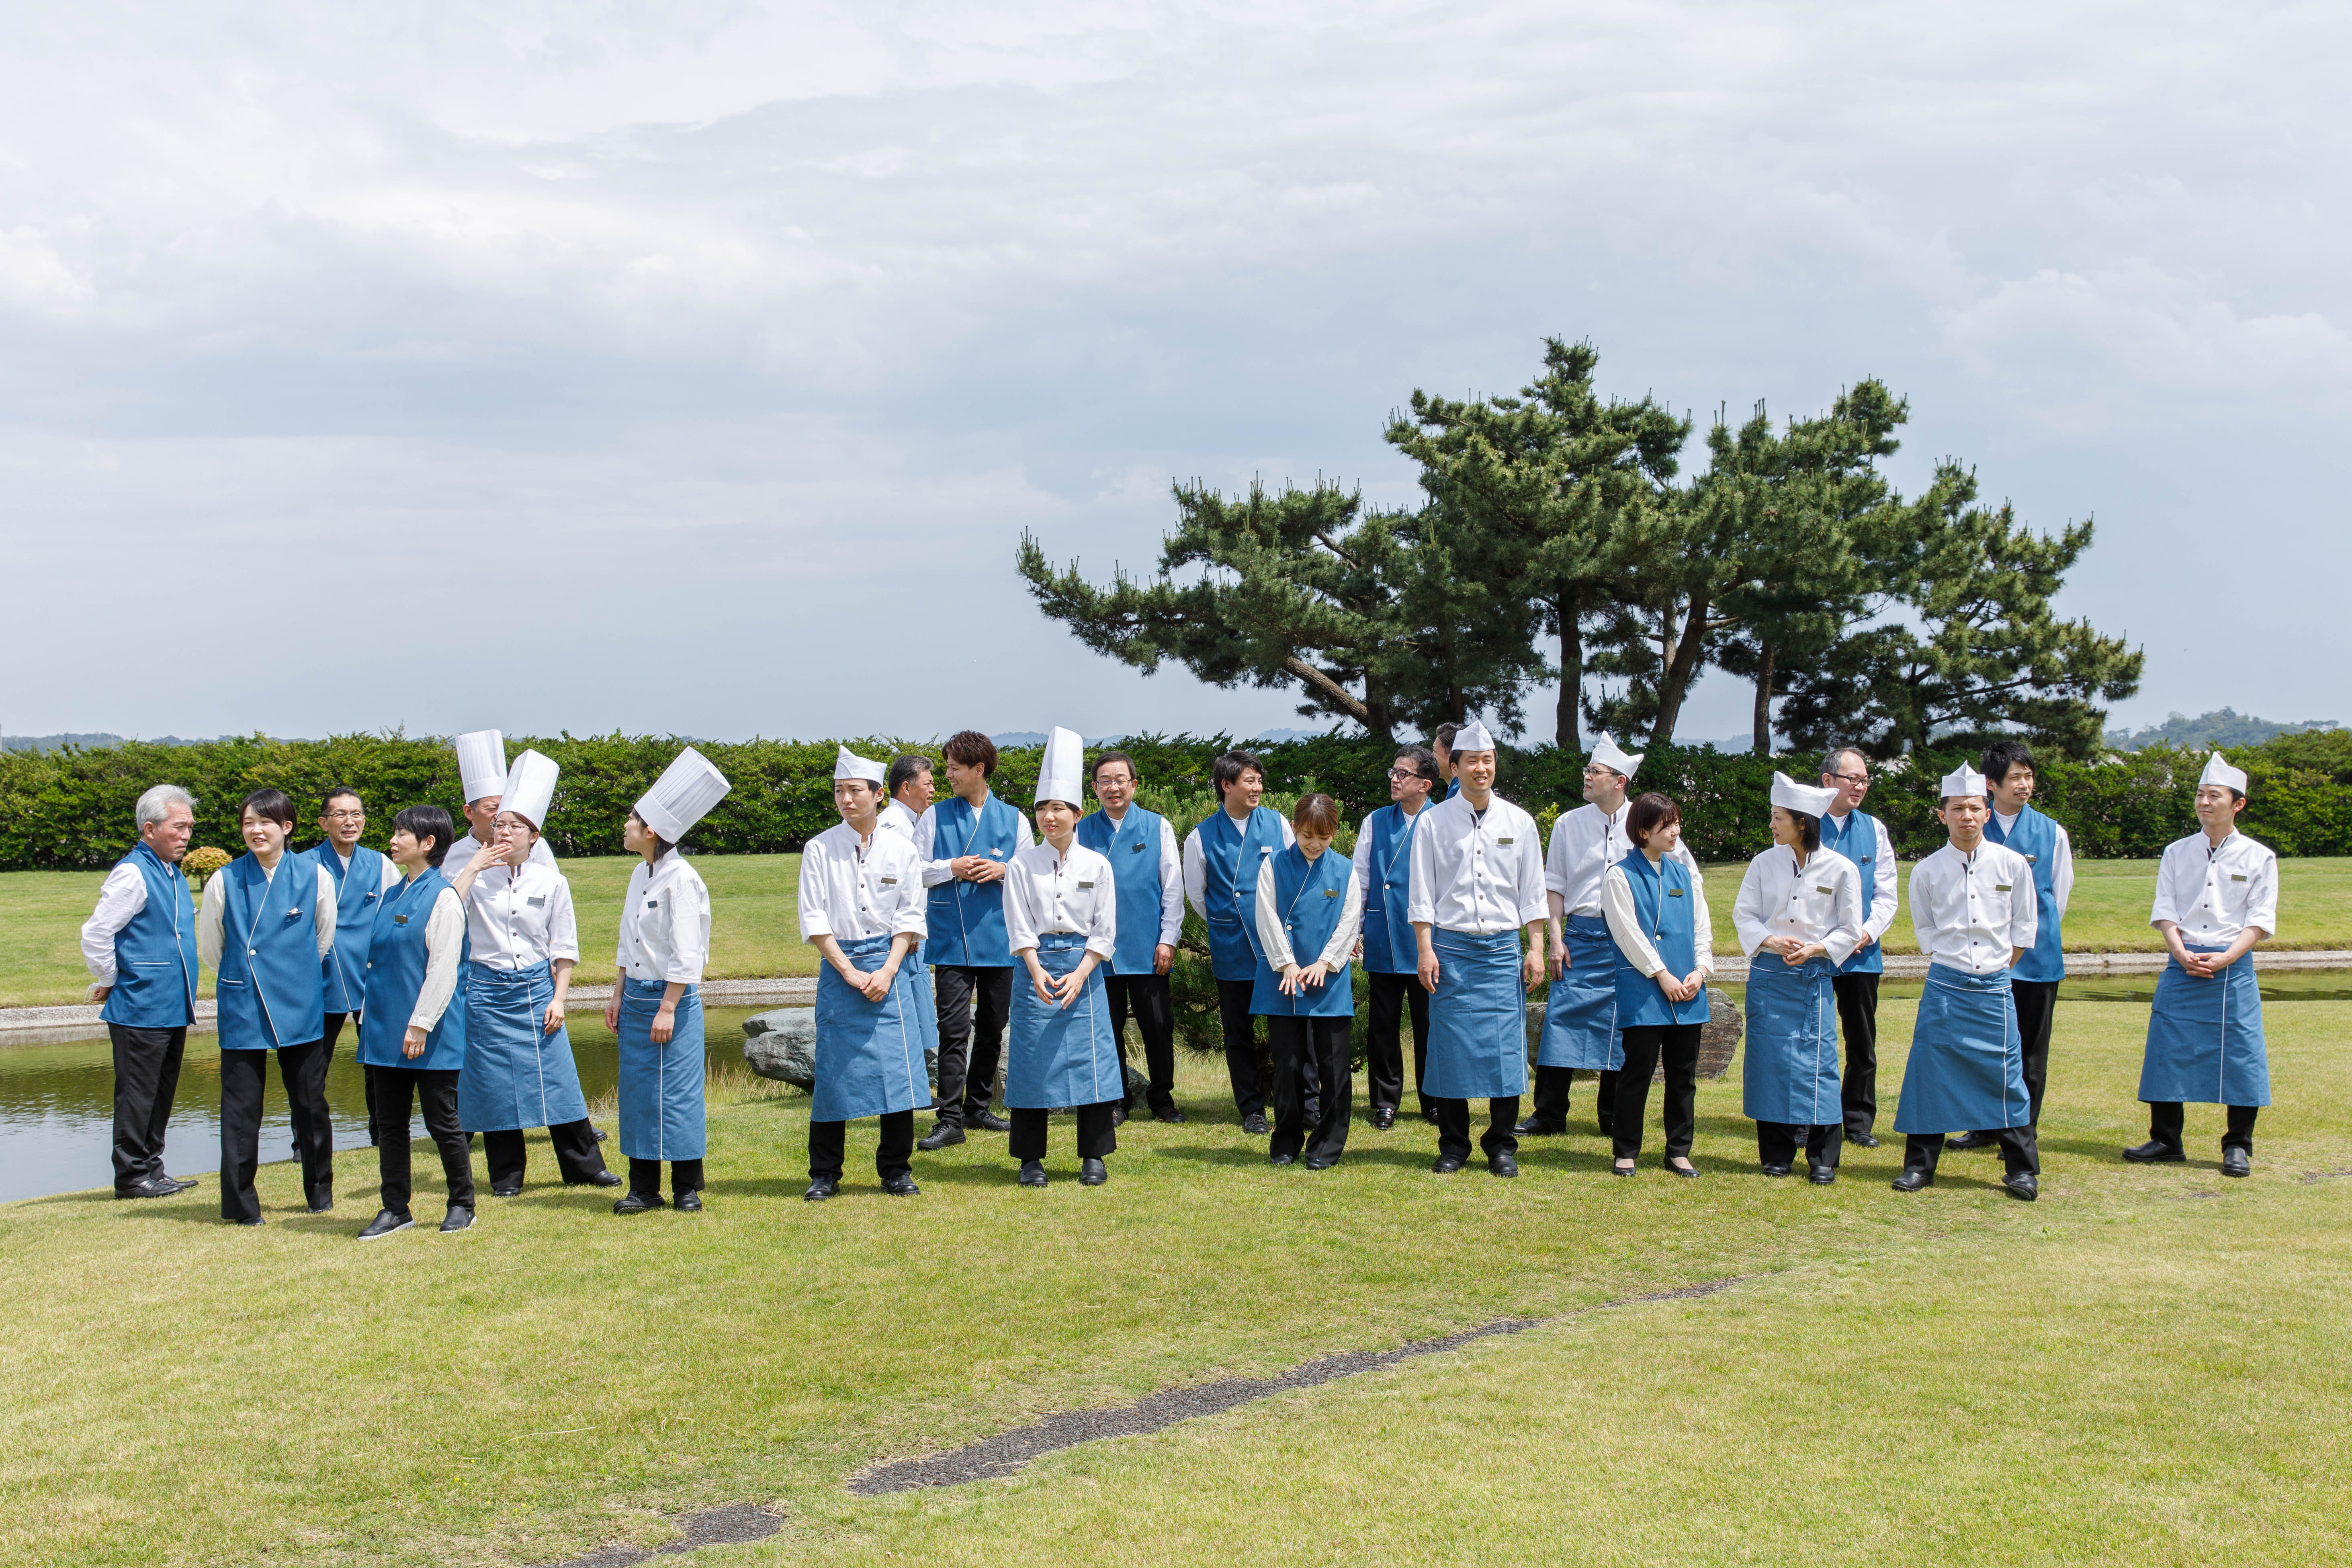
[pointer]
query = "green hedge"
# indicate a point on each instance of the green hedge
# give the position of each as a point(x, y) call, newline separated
point(72, 807)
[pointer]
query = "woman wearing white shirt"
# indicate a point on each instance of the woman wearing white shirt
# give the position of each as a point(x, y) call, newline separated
point(1798, 916)
point(1308, 908)
point(1657, 911)
point(1061, 912)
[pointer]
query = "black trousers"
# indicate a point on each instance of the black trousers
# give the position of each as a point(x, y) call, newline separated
point(1384, 1039)
point(1776, 1143)
point(2037, 1005)
point(1647, 1045)
point(435, 1091)
point(685, 1175)
point(2019, 1153)
point(1155, 1020)
point(1552, 1087)
point(331, 1038)
point(1454, 1127)
point(1857, 1006)
point(303, 1070)
point(1321, 1044)
point(2166, 1120)
point(576, 1154)
point(970, 1047)
point(146, 1078)
point(894, 1157)
point(1240, 1031)
point(1097, 1134)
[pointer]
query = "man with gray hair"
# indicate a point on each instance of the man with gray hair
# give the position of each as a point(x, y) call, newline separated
point(140, 947)
point(1861, 838)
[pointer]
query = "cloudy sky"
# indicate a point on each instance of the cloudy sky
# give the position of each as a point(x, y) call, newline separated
point(695, 366)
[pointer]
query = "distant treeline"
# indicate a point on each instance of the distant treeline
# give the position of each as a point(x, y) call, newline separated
point(72, 807)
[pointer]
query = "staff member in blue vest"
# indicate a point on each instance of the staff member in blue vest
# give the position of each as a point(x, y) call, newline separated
point(1220, 861)
point(1656, 910)
point(1306, 909)
point(1392, 957)
point(2216, 897)
point(1061, 914)
point(862, 905)
point(655, 1009)
point(523, 943)
point(1141, 848)
point(1972, 906)
point(140, 946)
point(1477, 880)
point(1798, 916)
point(413, 1022)
point(2033, 983)
point(966, 843)
point(1849, 831)
point(361, 878)
point(269, 922)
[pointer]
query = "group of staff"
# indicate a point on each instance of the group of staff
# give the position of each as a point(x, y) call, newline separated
point(945, 921)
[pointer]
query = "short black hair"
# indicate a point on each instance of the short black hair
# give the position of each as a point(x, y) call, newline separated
point(428, 821)
point(971, 748)
point(1445, 734)
point(329, 797)
point(661, 845)
point(1809, 827)
point(1230, 766)
point(2004, 755)
point(1651, 812)
point(1424, 760)
point(1110, 757)
point(904, 769)
point(270, 806)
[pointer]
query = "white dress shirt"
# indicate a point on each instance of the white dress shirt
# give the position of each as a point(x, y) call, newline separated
point(1172, 882)
point(1478, 872)
point(1625, 925)
point(664, 922)
point(1818, 901)
point(2213, 894)
point(120, 899)
point(1878, 898)
point(1584, 844)
point(520, 917)
point(1969, 910)
point(1049, 889)
point(1196, 867)
point(2061, 855)
point(1275, 941)
point(897, 817)
point(444, 946)
point(853, 888)
point(208, 920)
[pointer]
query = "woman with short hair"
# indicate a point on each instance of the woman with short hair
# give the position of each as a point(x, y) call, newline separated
point(1307, 909)
point(1657, 911)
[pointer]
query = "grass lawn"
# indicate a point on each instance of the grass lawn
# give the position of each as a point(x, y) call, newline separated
point(2112, 1375)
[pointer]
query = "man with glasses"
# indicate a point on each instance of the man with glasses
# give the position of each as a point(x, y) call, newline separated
point(1391, 952)
point(1863, 839)
point(361, 878)
point(1147, 873)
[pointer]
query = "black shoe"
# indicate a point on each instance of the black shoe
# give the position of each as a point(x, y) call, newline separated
point(945, 1135)
point(2237, 1162)
point(1912, 1181)
point(459, 1217)
point(687, 1203)
point(1503, 1162)
point(1320, 1162)
point(150, 1189)
point(600, 1179)
point(1281, 1159)
point(1446, 1165)
point(1622, 1168)
point(255, 1220)
point(1429, 1115)
point(821, 1189)
point(987, 1122)
point(1118, 1115)
point(640, 1202)
point(902, 1185)
point(1821, 1175)
point(1384, 1120)
point(1256, 1125)
point(2155, 1151)
point(321, 1205)
point(1863, 1140)
point(1536, 1127)
point(1091, 1174)
point(170, 1185)
point(2023, 1185)
point(1687, 1171)
point(506, 1190)
point(1032, 1172)
point(1966, 1140)
point(1771, 1169)
point(1169, 1114)
point(384, 1224)
point(600, 1133)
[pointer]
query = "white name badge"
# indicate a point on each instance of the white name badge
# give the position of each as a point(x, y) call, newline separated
point(536, 899)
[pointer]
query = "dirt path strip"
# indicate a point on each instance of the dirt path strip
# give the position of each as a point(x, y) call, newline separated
point(731, 1525)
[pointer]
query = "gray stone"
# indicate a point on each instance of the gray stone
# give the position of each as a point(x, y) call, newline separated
point(1718, 1038)
point(781, 1043)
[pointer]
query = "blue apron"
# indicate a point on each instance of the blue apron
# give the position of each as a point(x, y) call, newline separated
point(966, 920)
point(1967, 1068)
point(869, 1055)
point(1311, 899)
point(1789, 1065)
point(2035, 836)
point(358, 895)
point(155, 961)
point(515, 1077)
point(269, 993)
point(2205, 1037)
point(1229, 861)
point(661, 1086)
point(1390, 945)
point(1663, 901)
point(1132, 848)
point(394, 972)
point(1858, 842)
point(1061, 1056)
point(1580, 1026)
point(1477, 1017)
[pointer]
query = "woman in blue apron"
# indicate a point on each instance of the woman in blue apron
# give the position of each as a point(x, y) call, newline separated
point(1657, 911)
point(1306, 908)
point(1798, 916)
point(1061, 919)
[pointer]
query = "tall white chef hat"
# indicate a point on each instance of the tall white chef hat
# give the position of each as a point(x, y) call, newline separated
point(1965, 780)
point(1065, 765)
point(529, 788)
point(482, 764)
point(1472, 737)
point(1791, 796)
point(850, 765)
point(683, 795)
point(1606, 754)
point(2219, 771)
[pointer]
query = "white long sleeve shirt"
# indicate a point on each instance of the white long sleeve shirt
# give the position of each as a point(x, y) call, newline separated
point(1050, 889)
point(521, 916)
point(1818, 901)
point(2061, 859)
point(1625, 925)
point(1481, 872)
point(1878, 898)
point(1584, 844)
point(1969, 910)
point(1273, 937)
point(2213, 894)
point(853, 888)
point(120, 899)
point(665, 924)
point(1196, 868)
point(444, 946)
point(208, 919)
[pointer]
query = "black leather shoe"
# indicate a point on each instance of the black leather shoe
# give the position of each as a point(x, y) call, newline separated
point(506, 1190)
point(821, 1189)
point(1092, 1173)
point(1384, 1120)
point(146, 1190)
point(600, 1179)
point(687, 1203)
point(989, 1121)
point(1863, 1140)
point(1118, 1115)
point(384, 1224)
point(1256, 1125)
point(640, 1202)
point(1032, 1172)
point(1966, 1140)
point(1687, 1171)
point(1172, 1116)
point(255, 1220)
point(321, 1205)
point(2021, 1185)
point(1503, 1163)
point(945, 1135)
point(1912, 1181)
point(600, 1133)
point(1429, 1115)
point(1446, 1165)
point(170, 1185)
point(2155, 1151)
point(1536, 1127)
point(1281, 1159)
point(1776, 1169)
point(2237, 1162)
point(902, 1187)
point(459, 1217)
point(1821, 1175)
point(1319, 1162)
point(1623, 1168)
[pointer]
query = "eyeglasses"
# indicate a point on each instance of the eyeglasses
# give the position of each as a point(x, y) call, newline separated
point(1860, 779)
point(344, 815)
point(1402, 774)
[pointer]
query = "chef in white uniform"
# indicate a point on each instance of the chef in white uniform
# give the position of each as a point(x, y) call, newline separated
point(482, 769)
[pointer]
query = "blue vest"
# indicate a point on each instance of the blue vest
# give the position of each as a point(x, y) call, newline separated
point(1310, 900)
point(1661, 905)
point(1390, 945)
point(1859, 844)
point(1132, 848)
point(394, 972)
point(967, 919)
point(1229, 861)
point(156, 961)
point(2035, 836)
point(357, 896)
point(270, 991)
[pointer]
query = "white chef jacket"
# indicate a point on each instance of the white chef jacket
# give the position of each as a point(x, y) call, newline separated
point(664, 922)
point(445, 940)
point(1819, 902)
point(1969, 910)
point(1478, 872)
point(1878, 898)
point(1625, 925)
point(899, 817)
point(1275, 941)
point(1584, 844)
point(208, 919)
point(2214, 894)
point(1050, 889)
point(1196, 867)
point(520, 917)
point(927, 830)
point(120, 899)
point(1171, 883)
point(853, 888)
point(2061, 855)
